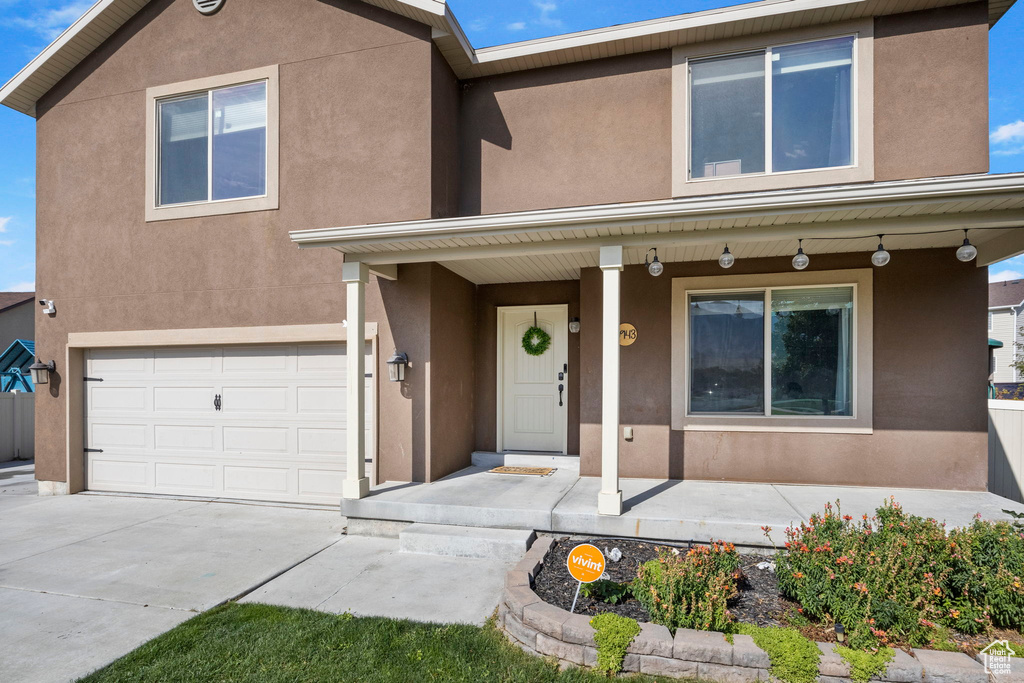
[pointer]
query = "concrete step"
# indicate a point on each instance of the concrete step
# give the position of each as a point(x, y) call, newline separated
point(507, 545)
point(492, 460)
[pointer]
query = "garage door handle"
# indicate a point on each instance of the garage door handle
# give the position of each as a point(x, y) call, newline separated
point(216, 402)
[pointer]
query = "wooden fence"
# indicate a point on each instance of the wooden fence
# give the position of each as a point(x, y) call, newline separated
point(17, 426)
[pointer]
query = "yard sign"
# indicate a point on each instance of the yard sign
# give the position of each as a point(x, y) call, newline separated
point(586, 565)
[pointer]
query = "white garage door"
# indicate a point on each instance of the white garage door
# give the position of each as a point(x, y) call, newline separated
point(250, 422)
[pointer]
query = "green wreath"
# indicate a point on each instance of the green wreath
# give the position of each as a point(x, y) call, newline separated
point(536, 341)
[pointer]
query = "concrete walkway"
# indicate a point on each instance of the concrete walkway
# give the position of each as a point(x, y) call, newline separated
point(655, 509)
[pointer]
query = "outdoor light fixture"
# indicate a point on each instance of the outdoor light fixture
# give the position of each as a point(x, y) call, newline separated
point(967, 252)
point(574, 325)
point(41, 371)
point(840, 633)
point(726, 259)
point(881, 256)
point(801, 261)
point(655, 267)
point(396, 366)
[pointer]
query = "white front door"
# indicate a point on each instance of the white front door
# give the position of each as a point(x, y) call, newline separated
point(532, 408)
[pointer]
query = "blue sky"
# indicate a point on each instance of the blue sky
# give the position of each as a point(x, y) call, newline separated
point(27, 26)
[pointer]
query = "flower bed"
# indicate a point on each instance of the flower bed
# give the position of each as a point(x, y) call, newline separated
point(891, 580)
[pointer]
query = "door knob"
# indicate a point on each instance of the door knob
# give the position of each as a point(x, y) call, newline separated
point(561, 388)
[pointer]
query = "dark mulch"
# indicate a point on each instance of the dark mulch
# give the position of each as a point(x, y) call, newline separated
point(758, 603)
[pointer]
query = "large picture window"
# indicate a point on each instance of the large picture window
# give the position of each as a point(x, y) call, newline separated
point(773, 352)
point(213, 145)
point(776, 110)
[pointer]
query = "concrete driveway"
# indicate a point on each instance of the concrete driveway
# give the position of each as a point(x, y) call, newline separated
point(85, 579)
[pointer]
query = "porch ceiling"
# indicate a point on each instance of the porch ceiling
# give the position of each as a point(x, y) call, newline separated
point(556, 244)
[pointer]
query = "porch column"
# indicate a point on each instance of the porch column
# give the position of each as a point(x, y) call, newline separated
point(355, 275)
point(609, 500)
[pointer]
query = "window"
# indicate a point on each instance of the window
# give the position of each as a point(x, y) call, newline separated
point(213, 146)
point(802, 363)
point(773, 352)
point(776, 110)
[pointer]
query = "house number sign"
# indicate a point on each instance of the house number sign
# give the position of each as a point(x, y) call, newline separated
point(627, 334)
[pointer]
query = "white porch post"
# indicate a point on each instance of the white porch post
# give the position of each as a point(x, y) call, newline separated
point(355, 275)
point(609, 500)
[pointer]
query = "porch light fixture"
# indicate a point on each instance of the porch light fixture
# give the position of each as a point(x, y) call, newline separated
point(41, 371)
point(881, 256)
point(574, 325)
point(967, 252)
point(726, 259)
point(655, 267)
point(801, 260)
point(396, 366)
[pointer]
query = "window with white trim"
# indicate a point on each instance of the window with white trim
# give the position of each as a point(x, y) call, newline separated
point(776, 351)
point(775, 110)
point(212, 145)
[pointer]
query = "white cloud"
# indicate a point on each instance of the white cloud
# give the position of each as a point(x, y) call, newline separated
point(7, 243)
point(4, 222)
point(999, 276)
point(516, 26)
point(546, 10)
point(51, 23)
point(21, 287)
point(1012, 151)
point(1010, 132)
point(477, 25)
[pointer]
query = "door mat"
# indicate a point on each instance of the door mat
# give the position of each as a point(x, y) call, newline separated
point(533, 471)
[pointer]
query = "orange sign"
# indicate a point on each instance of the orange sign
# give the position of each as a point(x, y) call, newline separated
point(627, 334)
point(586, 563)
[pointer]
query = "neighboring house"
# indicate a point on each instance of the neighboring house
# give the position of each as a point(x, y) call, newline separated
point(17, 317)
point(1005, 304)
point(453, 198)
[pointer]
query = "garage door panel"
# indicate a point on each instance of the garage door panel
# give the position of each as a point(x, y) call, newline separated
point(256, 400)
point(280, 434)
point(185, 437)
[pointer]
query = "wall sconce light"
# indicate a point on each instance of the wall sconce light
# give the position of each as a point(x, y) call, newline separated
point(574, 325)
point(396, 366)
point(41, 371)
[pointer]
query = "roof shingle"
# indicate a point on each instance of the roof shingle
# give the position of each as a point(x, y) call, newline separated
point(11, 299)
point(1006, 293)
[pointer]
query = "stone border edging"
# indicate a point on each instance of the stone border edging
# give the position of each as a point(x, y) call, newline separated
point(544, 630)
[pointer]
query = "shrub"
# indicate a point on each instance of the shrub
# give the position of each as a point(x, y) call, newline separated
point(794, 658)
point(690, 590)
point(864, 665)
point(604, 590)
point(897, 577)
point(613, 634)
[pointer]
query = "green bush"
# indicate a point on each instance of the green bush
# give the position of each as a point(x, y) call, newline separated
point(613, 634)
point(691, 589)
point(604, 590)
point(864, 665)
point(900, 578)
point(794, 658)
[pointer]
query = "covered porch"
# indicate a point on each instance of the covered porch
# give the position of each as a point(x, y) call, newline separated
point(837, 229)
point(670, 510)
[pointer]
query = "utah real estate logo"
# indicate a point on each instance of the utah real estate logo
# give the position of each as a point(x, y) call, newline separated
point(996, 658)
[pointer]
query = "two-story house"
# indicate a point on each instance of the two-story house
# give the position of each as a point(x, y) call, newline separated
point(300, 247)
point(1005, 305)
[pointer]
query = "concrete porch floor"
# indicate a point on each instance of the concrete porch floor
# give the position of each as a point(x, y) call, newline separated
point(655, 509)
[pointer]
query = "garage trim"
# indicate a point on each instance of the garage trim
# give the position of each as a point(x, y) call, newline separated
point(78, 342)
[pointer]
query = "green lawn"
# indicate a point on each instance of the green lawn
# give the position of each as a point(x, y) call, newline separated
point(264, 643)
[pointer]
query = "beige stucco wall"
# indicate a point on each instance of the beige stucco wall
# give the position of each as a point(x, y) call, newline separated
point(929, 374)
point(18, 322)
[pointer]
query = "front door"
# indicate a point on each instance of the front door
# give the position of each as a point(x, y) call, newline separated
point(533, 389)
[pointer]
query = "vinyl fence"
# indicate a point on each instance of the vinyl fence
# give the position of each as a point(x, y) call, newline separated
point(17, 426)
point(1006, 449)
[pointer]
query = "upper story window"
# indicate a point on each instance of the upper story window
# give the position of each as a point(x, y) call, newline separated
point(212, 146)
point(780, 109)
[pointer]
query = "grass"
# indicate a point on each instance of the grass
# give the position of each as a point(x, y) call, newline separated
point(266, 644)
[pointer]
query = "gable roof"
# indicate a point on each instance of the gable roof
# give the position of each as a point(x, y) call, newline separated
point(1006, 293)
point(107, 16)
point(14, 363)
point(12, 299)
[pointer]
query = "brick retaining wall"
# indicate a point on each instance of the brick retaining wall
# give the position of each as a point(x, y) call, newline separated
point(548, 631)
